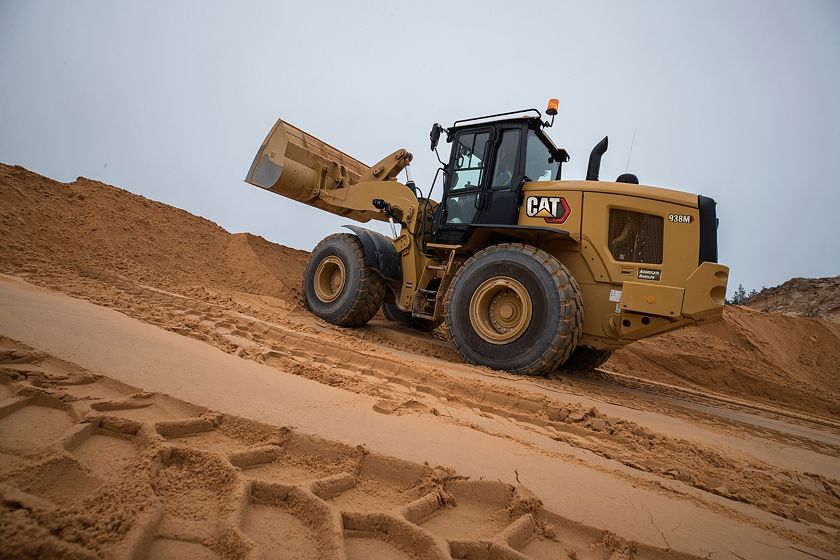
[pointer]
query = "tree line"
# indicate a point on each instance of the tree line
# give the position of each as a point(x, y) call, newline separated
point(741, 296)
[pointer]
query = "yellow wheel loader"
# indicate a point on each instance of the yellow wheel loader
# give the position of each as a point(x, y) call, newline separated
point(528, 272)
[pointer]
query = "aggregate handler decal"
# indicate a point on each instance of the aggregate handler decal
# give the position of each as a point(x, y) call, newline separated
point(553, 209)
point(650, 274)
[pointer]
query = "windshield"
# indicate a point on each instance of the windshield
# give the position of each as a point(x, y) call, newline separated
point(539, 165)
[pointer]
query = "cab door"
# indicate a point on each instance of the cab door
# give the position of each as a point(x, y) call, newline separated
point(521, 156)
point(498, 202)
point(467, 177)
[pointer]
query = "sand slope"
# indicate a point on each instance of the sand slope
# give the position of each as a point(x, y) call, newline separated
point(47, 224)
point(106, 469)
point(169, 476)
point(773, 358)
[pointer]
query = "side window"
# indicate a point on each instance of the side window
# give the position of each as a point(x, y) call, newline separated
point(460, 208)
point(506, 153)
point(469, 160)
point(538, 164)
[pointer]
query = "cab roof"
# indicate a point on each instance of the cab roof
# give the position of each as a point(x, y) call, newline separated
point(534, 122)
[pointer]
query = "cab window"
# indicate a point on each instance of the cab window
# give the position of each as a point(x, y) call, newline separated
point(506, 152)
point(470, 149)
point(539, 165)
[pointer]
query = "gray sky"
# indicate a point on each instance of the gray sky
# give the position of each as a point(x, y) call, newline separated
point(735, 100)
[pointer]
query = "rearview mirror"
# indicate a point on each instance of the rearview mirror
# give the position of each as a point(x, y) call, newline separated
point(434, 135)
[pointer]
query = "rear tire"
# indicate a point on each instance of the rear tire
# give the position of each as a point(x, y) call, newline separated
point(394, 313)
point(516, 308)
point(338, 286)
point(586, 359)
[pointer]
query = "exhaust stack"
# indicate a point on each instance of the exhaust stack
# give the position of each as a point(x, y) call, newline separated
point(595, 159)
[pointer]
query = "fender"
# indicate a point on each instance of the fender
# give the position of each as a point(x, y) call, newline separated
point(535, 235)
point(379, 253)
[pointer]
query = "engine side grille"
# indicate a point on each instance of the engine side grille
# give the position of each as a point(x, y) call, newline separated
point(636, 237)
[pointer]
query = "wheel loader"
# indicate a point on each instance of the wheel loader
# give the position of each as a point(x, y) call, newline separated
point(528, 272)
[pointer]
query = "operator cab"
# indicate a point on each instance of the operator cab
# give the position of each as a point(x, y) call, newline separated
point(492, 158)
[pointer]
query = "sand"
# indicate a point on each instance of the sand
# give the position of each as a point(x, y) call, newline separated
point(182, 403)
point(776, 359)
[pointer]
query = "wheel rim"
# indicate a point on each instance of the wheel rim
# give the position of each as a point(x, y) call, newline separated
point(500, 310)
point(329, 279)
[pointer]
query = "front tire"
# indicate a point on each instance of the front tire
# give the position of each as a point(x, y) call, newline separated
point(338, 286)
point(516, 308)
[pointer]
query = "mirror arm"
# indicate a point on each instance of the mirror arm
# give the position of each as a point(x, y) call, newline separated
point(438, 156)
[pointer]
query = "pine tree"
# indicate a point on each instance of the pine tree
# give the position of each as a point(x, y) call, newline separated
point(739, 296)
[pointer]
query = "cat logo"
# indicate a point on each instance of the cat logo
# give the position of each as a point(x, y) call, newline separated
point(553, 209)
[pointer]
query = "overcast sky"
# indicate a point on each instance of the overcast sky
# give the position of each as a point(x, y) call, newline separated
point(739, 101)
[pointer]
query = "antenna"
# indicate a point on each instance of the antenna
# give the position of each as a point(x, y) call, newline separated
point(633, 141)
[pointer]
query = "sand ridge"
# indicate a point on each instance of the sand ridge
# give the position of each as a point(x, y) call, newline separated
point(801, 297)
point(47, 224)
point(777, 359)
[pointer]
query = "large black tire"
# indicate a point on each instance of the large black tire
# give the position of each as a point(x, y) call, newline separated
point(394, 313)
point(586, 359)
point(556, 315)
point(361, 291)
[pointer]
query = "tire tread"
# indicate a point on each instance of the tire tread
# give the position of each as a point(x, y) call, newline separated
point(371, 291)
point(560, 349)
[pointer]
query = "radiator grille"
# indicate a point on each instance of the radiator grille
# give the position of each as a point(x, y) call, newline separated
point(636, 237)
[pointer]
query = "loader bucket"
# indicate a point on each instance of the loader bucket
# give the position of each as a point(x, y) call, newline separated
point(294, 164)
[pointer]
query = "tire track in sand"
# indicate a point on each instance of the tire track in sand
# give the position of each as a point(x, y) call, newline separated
point(178, 480)
point(410, 387)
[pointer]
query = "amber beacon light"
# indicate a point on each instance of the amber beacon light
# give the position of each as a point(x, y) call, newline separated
point(551, 110)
